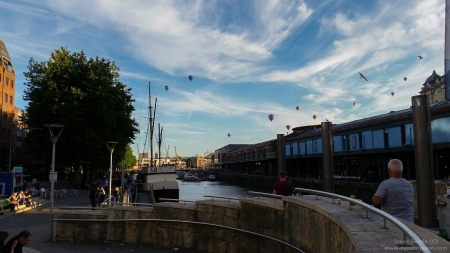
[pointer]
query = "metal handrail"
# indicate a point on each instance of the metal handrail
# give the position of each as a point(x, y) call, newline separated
point(133, 204)
point(177, 200)
point(274, 196)
point(189, 222)
point(405, 229)
point(220, 197)
point(78, 207)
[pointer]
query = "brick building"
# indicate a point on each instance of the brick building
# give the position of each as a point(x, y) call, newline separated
point(9, 114)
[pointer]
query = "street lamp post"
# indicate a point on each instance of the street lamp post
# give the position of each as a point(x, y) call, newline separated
point(111, 145)
point(55, 132)
point(121, 181)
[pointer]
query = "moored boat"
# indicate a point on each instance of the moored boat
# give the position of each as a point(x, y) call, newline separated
point(162, 181)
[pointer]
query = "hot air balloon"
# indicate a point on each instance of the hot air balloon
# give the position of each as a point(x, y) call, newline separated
point(404, 78)
point(392, 93)
point(314, 116)
point(288, 127)
point(229, 134)
point(271, 117)
point(354, 103)
point(167, 87)
point(190, 78)
point(297, 108)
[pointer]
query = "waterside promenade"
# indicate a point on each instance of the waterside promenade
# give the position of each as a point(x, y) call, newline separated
point(37, 221)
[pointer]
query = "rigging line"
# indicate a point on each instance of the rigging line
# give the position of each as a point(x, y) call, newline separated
point(142, 107)
point(145, 96)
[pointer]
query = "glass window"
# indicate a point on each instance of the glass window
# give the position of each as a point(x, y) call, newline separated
point(6, 98)
point(7, 81)
point(436, 92)
point(10, 100)
point(12, 84)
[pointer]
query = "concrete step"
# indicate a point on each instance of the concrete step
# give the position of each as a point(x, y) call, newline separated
point(35, 202)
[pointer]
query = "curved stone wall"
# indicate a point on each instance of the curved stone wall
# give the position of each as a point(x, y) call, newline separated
point(310, 224)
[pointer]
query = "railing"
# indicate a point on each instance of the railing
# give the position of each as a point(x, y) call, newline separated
point(274, 196)
point(177, 200)
point(407, 232)
point(186, 222)
point(220, 197)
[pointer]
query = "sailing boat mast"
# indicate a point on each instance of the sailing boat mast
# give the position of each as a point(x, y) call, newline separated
point(151, 125)
point(159, 143)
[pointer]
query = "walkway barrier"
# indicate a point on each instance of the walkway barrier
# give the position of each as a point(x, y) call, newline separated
point(220, 197)
point(407, 232)
point(177, 200)
point(182, 222)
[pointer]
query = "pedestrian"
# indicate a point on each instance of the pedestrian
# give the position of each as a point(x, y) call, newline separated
point(282, 187)
point(4, 239)
point(15, 244)
point(93, 198)
point(396, 194)
point(36, 185)
point(101, 194)
point(292, 188)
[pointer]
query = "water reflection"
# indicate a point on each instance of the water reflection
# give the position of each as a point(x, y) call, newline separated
point(196, 190)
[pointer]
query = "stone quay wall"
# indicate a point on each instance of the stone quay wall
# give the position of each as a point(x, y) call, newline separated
point(309, 224)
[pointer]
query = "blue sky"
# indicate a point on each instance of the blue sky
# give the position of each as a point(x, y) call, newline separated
point(249, 59)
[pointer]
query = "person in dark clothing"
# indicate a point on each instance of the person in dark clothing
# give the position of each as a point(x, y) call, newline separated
point(282, 187)
point(116, 193)
point(100, 194)
point(4, 238)
point(292, 189)
point(93, 198)
point(16, 243)
point(36, 185)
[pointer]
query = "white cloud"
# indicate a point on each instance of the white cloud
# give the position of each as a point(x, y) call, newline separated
point(173, 37)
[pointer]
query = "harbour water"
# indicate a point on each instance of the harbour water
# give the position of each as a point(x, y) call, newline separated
point(196, 190)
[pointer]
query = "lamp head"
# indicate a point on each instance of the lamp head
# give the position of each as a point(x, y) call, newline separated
point(55, 130)
point(111, 145)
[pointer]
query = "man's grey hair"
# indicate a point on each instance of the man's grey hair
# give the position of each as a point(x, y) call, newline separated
point(395, 165)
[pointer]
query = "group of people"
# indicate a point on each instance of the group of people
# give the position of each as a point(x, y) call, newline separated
point(16, 199)
point(395, 195)
point(97, 195)
point(15, 244)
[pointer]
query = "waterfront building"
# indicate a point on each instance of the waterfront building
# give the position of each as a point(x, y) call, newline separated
point(362, 148)
point(195, 162)
point(217, 158)
point(8, 119)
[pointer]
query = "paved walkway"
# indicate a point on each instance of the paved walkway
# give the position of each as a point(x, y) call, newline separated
point(37, 221)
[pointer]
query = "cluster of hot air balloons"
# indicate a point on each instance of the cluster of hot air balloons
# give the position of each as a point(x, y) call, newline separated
point(190, 79)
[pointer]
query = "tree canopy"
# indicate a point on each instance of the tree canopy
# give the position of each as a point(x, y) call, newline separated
point(86, 96)
point(130, 159)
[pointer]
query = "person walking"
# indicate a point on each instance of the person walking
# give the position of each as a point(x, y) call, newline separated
point(396, 194)
point(282, 187)
point(93, 198)
point(101, 195)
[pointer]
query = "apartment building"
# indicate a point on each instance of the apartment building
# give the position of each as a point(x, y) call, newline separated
point(9, 115)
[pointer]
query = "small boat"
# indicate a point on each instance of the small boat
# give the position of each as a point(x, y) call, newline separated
point(190, 177)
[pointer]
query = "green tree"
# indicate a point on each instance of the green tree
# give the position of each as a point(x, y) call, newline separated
point(86, 96)
point(130, 159)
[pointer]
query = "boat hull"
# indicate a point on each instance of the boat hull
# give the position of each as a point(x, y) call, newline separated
point(166, 193)
point(163, 182)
